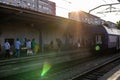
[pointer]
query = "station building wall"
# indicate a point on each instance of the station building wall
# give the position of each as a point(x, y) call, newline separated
point(66, 33)
point(42, 36)
point(11, 32)
point(52, 35)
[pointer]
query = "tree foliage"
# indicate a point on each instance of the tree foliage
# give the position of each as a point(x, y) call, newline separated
point(106, 24)
point(118, 24)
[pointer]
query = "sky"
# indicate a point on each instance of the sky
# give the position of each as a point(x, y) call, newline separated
point(63, 7)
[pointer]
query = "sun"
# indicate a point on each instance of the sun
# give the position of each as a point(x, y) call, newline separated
point(63, 7)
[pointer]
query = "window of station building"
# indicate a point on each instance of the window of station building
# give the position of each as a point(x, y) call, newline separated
point(10, 40)
point(6, 2)
point(33, 5)
point(24, 4)
point(89, 22)
point(42, 2)
point(19, 1)
point(85, 20)
point(28, 4)
point(16, 0)
point(45, 8)
point(3, 2)
point(40, 6)
point(92, 21)
point(39, 1)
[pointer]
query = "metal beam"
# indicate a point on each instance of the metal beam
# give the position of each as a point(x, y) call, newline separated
point(103, 5)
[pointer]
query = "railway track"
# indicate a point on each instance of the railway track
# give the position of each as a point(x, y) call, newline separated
point(18, 65)
point(38, 57)
point(57, 70)
point(98, 71)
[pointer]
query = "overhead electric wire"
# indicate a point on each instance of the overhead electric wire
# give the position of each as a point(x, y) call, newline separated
point(67, 1)
point(63, 8)
point(104, 1)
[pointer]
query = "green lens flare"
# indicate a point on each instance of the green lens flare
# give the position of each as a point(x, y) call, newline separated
point(46, 68)
point(97, 48)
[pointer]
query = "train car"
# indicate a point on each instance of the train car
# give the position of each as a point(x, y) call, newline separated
point(112, 38)
point(104, 37)
point(96, 38)
point(89, 35)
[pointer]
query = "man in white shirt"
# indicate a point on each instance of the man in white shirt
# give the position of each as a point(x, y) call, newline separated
point(7, 48)
point(17, 47)
point(28, 46)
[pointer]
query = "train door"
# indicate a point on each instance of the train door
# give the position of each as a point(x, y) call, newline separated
point(99, 42)
point(118, 43)
point(98, 39)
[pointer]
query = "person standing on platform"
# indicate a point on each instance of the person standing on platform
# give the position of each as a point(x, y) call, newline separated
point(7, 48)
point(17, 47)
point(28, 46)
point(59, 44)
point(33, 44)
point(78, 44)
point(0, 50)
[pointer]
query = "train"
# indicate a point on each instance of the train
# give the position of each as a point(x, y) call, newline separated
point(95, 33)
point(103, 38)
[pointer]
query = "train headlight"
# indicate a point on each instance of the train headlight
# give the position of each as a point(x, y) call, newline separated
point(97, 48)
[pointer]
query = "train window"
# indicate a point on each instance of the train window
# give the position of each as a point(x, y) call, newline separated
point(112, 38)
point(98, 39)
point(119, 41)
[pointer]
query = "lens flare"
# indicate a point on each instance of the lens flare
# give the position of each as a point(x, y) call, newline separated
point(46, 68)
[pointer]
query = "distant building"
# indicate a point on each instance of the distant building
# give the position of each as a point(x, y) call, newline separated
point(44, 6)
point(85, 17)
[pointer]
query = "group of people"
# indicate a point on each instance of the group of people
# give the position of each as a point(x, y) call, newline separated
point(61, 46)
point(29, 46)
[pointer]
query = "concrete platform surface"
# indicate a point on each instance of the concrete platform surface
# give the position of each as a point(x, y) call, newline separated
point(114, 74)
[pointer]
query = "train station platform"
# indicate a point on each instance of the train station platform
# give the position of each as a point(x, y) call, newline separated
point(23, 54)
point(114, 74)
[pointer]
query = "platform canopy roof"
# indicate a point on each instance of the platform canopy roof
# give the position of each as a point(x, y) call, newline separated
point(12, 14)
